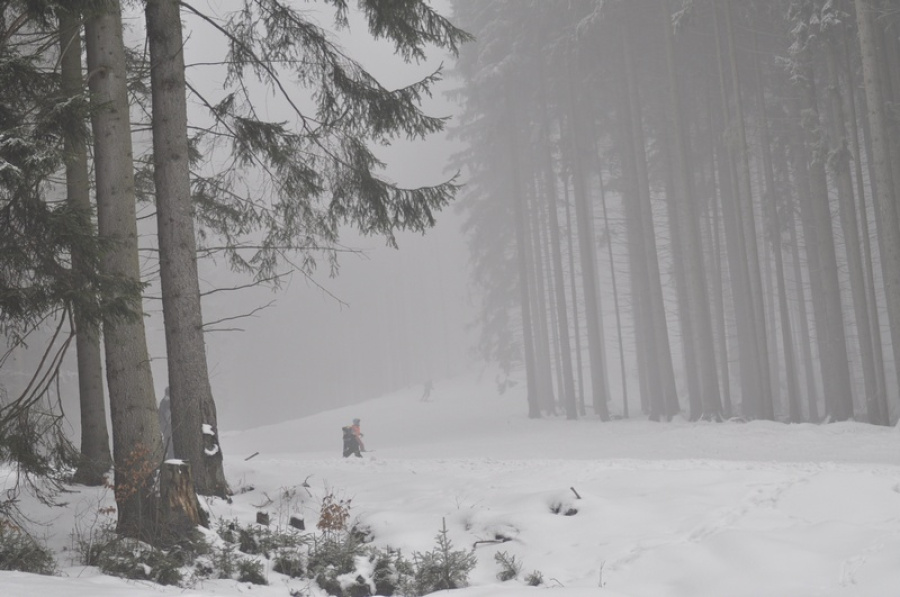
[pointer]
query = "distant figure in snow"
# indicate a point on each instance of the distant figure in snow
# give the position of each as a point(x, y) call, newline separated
point(351, 443)
point(426, 394)
point(358, 434)
point(165, 425)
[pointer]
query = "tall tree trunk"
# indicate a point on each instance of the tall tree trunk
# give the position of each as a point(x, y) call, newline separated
point(646, 354)
point(748, 354)
point(799, 165)
point(871, 300)
point(838, 393)
point(573, 285)
point(521, 225)
point(543, 343)
point(95, 459)
point(663, 369)
point(839, 160)
point(550, 192)
point(137, 443)
point(615, 289)
point(885, 195)
point(195, 428)
point(718, 277)
point(774, 233)
point(583, 222)
point(701, 324)
point(748, 222)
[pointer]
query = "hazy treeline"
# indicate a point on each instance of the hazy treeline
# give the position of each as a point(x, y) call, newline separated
point(699, 195)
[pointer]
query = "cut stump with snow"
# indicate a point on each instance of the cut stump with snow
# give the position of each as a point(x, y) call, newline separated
point(180, 510)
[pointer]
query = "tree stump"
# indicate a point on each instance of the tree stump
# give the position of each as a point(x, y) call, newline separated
point(180, 510)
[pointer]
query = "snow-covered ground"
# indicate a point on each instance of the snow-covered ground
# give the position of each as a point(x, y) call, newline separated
point(665, 510)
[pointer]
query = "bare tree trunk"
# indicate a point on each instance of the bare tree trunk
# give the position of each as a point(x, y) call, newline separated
point(519, 206)
point(838, 393)
point(748, 222)
point(839, 160)
point(799, 165)
point(95, 459)
point(718, 283)
point(662, 368)
point(195, 428)
point(137, 443)
point(871, 300)
point(550, 190)
point(748, 353)
point(615, 289)
point(774, 233)
point(543, 346)
point(701, 325)
point(885, 195)
point(573, 284)
point(599, 388)
point(646, 354)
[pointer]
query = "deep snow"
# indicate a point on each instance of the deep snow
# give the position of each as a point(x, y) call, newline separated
point(670, 510)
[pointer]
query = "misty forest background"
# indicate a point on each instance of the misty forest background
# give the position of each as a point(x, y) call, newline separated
point(671, 208)
point(698, 195)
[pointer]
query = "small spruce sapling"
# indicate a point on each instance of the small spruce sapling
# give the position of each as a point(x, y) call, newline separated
point(443, 567)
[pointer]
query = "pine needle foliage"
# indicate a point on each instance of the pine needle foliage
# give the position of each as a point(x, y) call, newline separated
point(38, 230)
point(305, 177)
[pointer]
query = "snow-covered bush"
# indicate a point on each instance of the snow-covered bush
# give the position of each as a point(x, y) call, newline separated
point(133, 559)
point(256, 539)
point(19, 551)
point(252, 571)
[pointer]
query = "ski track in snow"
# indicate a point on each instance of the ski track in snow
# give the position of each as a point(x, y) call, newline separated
point(762, 496)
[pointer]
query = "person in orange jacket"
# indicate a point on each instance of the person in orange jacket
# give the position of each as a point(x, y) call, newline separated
point(358, 434)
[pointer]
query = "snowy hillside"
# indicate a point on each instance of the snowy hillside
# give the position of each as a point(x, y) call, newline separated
point(663, 510)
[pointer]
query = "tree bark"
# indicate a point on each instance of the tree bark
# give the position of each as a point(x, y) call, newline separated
point(518, 205)
point(839, 160)
point(646, 354)
point(885, 195)
point(662, 371)
point(95, 458)
point(871, 297)
point(137, 444)
point(573, 285)
point(550, 191)
point(701, 325)
point(799, 165)
point(583, 222)
point(838, 393)
point(748, 224)
point(195, 430)
point(748, 354)
point(774, 233)
point(540, 314)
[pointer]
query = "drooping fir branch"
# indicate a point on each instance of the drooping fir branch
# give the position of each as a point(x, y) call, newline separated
point(320, 173)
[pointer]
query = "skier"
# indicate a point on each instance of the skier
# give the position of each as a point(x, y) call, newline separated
point(358, 434)
point(351, 445)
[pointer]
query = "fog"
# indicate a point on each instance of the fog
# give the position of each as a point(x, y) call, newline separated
point(644, 213)
point(389, 318)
